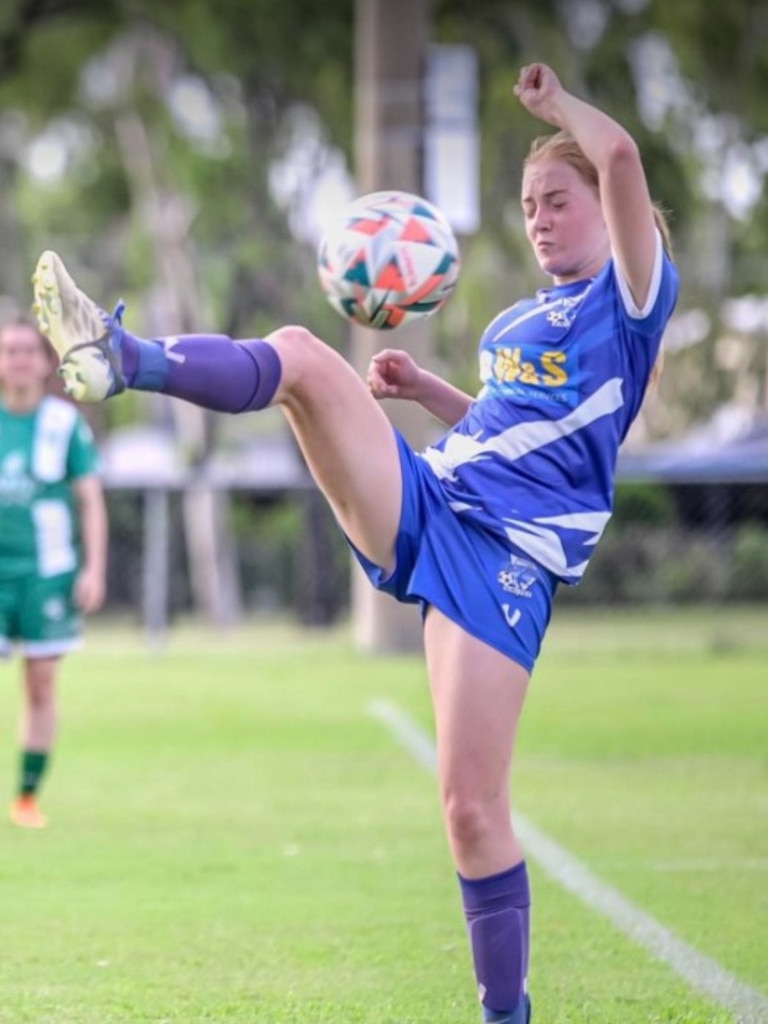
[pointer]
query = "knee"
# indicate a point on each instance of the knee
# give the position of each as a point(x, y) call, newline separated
point(40, 693)
point(302, 349)
point(310, 367)
point(295, 336)
point(469, 819)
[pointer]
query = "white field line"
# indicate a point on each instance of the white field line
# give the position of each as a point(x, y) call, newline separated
point(703, 974)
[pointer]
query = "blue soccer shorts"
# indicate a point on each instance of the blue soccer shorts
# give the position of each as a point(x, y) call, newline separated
point(477, 578)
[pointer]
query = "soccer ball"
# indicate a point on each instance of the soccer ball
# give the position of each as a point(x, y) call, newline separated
point(390, 259)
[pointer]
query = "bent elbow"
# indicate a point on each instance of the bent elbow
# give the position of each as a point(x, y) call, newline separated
point(622, 152)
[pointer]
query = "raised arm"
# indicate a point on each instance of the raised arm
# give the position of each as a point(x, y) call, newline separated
point(624, 195)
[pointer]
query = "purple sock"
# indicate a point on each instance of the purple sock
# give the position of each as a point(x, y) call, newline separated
point(210, 370)
point(497, 914)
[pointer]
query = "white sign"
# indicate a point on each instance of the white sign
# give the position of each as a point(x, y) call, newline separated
point(451, 144)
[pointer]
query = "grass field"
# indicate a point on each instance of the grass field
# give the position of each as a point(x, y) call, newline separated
point(234, 837)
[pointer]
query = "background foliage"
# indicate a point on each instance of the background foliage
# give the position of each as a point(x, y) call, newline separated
point(106, 81)
point(180, 155)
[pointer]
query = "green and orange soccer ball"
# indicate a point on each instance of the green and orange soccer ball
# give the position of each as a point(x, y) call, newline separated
point(390, 259)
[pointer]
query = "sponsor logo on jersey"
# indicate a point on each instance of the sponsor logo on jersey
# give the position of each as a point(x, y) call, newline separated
point(16, 485)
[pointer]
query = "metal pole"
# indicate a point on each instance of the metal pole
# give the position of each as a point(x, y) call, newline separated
point(155, 585)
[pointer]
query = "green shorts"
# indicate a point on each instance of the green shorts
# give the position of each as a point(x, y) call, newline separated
point(40, 614)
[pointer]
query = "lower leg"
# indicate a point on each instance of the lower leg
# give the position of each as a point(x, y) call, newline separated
point(39, 722)
point(477, 695)
point(497, 911)
point(32, 768)
point(98, 358)
point(210, 370)
point(344, 435)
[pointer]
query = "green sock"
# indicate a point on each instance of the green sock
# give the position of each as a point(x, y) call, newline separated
point(33, 765)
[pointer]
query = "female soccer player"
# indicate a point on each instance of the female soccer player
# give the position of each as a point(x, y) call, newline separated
point(481, 527)
point(53, 532)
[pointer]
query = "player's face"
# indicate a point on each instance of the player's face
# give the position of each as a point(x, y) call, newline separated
point(24, 361)
point(563, 221)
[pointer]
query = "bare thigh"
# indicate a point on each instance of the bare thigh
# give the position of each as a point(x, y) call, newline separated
point(39, 675)
point(477, 696)
point(346, 439)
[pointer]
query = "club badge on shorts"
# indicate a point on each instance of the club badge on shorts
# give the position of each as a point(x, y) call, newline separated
point(517, 576)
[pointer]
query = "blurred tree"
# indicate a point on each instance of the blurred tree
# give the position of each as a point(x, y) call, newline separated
point(127, 125)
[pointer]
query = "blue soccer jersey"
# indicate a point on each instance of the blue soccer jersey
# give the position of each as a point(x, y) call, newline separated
point(563, 377)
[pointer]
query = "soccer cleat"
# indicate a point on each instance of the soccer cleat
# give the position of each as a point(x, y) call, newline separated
point(86, 339)
point(26, 814)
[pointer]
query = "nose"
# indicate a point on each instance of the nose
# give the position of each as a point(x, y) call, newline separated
point(540, 220)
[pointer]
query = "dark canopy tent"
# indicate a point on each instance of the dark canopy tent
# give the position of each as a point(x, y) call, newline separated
point(700, 458)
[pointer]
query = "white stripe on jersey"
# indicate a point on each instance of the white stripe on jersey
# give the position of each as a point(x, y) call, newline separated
point(56, 419)
point(546, 546)
point(653, 290)
point(523, 438)
point(543, 307)
point(53, 530)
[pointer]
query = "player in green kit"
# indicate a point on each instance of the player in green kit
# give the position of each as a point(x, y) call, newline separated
point(53, 533)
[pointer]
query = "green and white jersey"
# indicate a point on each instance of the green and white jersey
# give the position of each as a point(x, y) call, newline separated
point(41, 453)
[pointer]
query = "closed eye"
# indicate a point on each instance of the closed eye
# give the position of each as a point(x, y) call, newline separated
point(530, 209)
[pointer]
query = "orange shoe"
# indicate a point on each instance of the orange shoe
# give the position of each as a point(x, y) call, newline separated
point(26, 814)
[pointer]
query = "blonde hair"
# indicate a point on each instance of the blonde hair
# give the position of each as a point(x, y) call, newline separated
point(562, 146)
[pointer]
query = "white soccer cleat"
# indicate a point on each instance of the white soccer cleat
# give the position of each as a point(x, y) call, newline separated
point(86, 339)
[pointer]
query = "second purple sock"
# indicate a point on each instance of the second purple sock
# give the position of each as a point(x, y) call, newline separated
point(497, 912)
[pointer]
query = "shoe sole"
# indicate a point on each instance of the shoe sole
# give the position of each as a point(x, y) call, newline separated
point(47, 304)
point(80, 325)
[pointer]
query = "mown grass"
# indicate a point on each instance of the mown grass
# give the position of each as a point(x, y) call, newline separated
point(235, 838)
